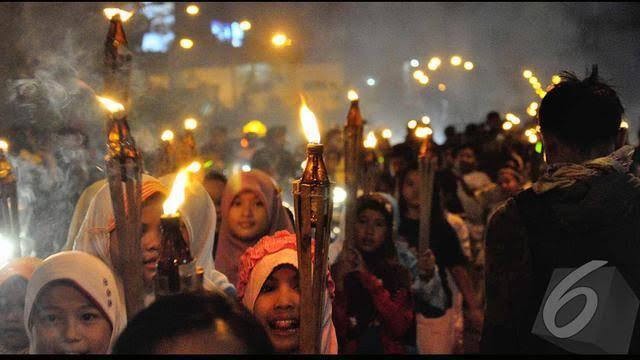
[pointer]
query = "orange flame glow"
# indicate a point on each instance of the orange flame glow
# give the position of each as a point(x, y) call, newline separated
point(309, 123)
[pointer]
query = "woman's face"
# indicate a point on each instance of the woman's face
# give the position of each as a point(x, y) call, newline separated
point(65, 321)
point(247, 217)
point(508, 184)
point(277, 308)
point(371, 230)
point(410, 189)
point(12, 332)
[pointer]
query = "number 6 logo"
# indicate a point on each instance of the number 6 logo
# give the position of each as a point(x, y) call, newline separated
point(560, 295)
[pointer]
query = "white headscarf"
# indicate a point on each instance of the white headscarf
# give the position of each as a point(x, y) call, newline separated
point(81, 211)
point(200, 218)
point(89, 274)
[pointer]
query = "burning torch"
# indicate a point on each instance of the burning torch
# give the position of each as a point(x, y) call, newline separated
point(370, 163)
point(189, 140)
point(124, 174)
point(117, 57)
point(168, 155)
point(9, 221)
point(426, 167)
point(313, 211)
point(352, 148)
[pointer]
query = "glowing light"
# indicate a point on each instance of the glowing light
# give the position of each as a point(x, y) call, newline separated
point(542, 94)
point(186, 43)
point(528, 132)
point(414, 63)
point(537, 128)
point(386, 133)
point(412, 124)
point(110, 105)
point(244, 143)
point(176, 197)
point(536, 86)
point(512, 118)
point(339, 195)
point(624, 124)
point(468, 65)
point(370, 142)
point(167, 135)
point(418, 74)
point(442, 87)
point(352, 95)
point(533, 80)
point(280, 40)
point(194, 167)
point(190, 124)
point(245, 25)
point(309, 123)
point(256, 127)
point(533, 138)
point(246, 168)
point(456, 60)
point(534, 105)
point(539, 147)
point(531, 112)
point(193, 9)
point(423, 131)
point(424, 80)
point(4, 145)
point(426, 120)
point(527, 74)
point(434, 63)
point(556, 79)
point(507, 125)
point(6, 250)
point(303, 164)
point(371, 81)
point(111, 12)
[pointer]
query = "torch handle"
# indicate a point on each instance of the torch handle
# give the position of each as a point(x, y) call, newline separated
point(427, 174)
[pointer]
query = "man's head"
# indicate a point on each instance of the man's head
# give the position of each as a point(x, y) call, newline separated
point(464, 158)
point(580, 119)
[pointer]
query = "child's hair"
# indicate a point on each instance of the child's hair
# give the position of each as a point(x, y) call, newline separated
point(183, 314)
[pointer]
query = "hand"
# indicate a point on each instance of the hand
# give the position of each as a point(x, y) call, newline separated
point(347, 262)
point(426, 265)
point(476, 318)
point(354, 261)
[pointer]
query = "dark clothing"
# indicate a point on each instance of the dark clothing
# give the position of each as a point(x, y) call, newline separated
point(533, 234)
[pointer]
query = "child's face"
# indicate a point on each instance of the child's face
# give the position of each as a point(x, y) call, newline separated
point(371, 230)
point(277, 308)
point(411, 189)
point(247, 217)
point(65, 321)
point(509, 184)
point(12, 333)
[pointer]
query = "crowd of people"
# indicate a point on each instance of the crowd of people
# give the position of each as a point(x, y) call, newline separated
point(504, 215)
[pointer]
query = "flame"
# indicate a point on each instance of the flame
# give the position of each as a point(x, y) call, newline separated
point(110, 105)
point(190, 124)
point(624, 124)
point(507, 125)
point(176, 197)
point(533, 138)
point(370, 142)
point(167, 135)
point(423, 132)
point(4, 145)
point(426, 120)
point(309, 123)
point(412, 124)
point(111, 12)
point(352, 95)
point(386, 133)
point(194, 167)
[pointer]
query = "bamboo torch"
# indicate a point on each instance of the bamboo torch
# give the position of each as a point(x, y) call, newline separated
point(426, 167)
point(352, 137)
point(313, 206)
point(168, 154)
point(9, 220)
point(124, 174)
point(370, 163)
point(117, 57)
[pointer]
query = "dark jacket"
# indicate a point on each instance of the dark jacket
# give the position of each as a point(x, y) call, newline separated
point(533, 234)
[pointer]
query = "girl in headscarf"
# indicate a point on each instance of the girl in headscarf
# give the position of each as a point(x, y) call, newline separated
point(13, 287)
point(268, 287)
point(97, 234)
point(251, 208)
point(72, 306)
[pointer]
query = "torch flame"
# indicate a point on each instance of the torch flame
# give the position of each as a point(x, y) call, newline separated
point(370, 142)
point(423, 132)
point(110, 105)
point(4, 145)
point(111, 12)
point(176, 197)
point(190, 124)
point(194, 167)
point(352, 95)
point(386, 133)
point(309, 123)
point(167, 135)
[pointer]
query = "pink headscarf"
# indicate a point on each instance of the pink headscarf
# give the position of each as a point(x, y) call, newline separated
point(229, 246)
point(259, 261)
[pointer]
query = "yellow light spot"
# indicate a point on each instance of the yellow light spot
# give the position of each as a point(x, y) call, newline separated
point(193, 10)
point(386, 133)
point(418, 74)
point(533, 138)
point(507, 125)
point(245, 25)
point(412, 124)
point(624, 124)
point(533, 80)
point(186, 43)
point(424, 80)
point(176, 197)
point(352, 95)
point(110, 105)
point(536, 86)
point(534, 105)
point(4, 145)
point(167, 135)
point(280, 39)
point(309, 123)
point(527, 74)
point(370, 142)
point(532, 112)
point(111, 12)
point(434, 63)
point(423, 131)
point(194, 167)
point(190, 124)
point(426, 120)
point(456, 60)
point(468, 65)
point(442, 87)
point(556, 79)
point(256, 127)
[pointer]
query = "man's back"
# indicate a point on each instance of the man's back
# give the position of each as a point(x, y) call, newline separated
point(527, 238)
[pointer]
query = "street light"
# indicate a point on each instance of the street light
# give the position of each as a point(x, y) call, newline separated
point(186, 43)
point(193, 9)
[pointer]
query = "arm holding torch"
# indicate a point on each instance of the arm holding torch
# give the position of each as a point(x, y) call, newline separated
point(313, 212)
